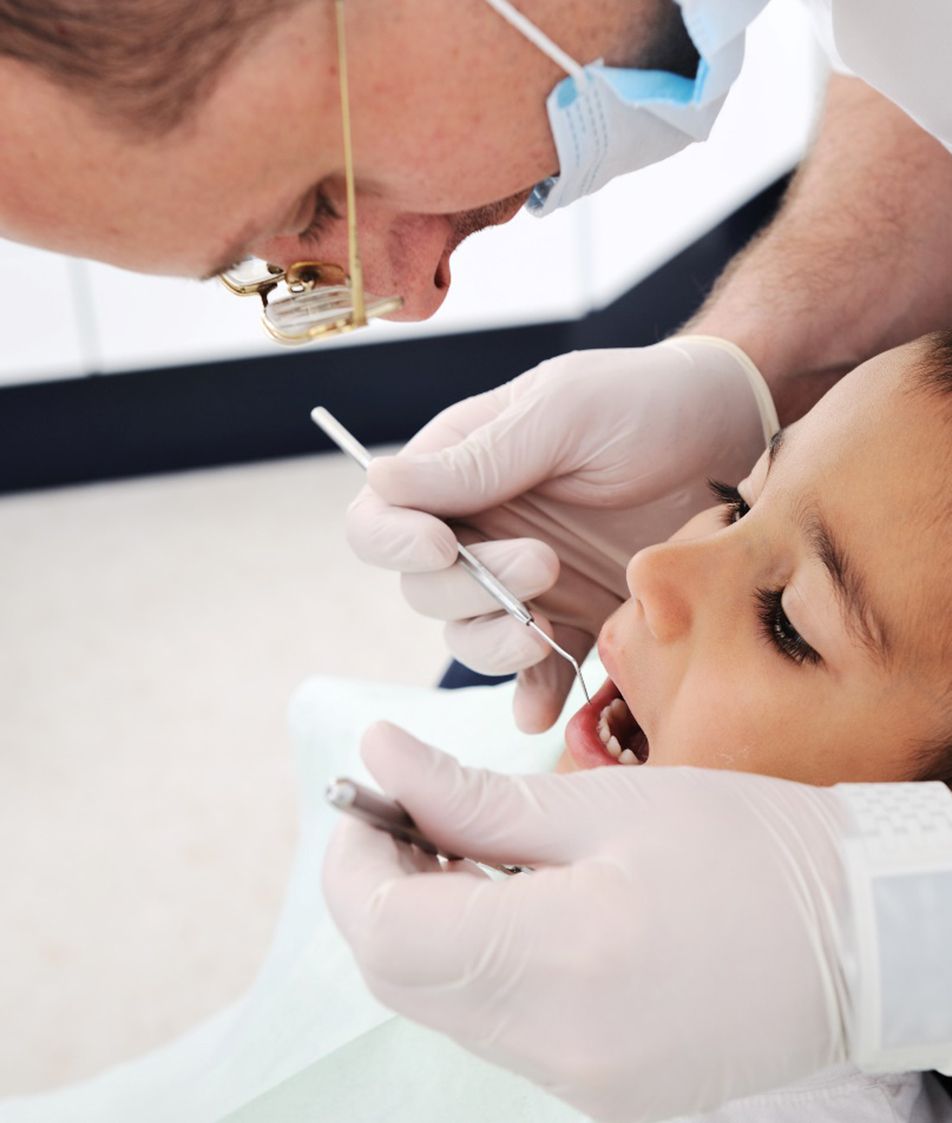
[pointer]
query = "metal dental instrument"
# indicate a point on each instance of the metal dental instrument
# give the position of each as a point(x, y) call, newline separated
point(348, 443)
point(388, 815)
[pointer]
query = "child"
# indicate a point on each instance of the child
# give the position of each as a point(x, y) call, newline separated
point(799, 629)
point(803, 627)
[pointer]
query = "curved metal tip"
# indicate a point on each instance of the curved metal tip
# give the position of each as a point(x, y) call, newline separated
point(565, 655)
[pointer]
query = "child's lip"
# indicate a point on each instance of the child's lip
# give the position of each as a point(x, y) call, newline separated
point(581, 734)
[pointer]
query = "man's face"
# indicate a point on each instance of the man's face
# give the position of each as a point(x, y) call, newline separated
point(447, 139)
point(752, 639)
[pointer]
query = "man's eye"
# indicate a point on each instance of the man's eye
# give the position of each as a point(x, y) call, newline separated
point(734, 504)
point(778, 630)
point(323, 215)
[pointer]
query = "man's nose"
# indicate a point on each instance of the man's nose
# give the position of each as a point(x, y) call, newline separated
point(672, 582)
point(405, 255)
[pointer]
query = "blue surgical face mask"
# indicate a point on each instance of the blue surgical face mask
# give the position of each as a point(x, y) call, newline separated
point(607, 121)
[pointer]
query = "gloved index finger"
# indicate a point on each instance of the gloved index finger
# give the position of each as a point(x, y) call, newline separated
point(453, 424)
point(527, 567)
point(398, 538)
point(535, 820)
point(474, 466)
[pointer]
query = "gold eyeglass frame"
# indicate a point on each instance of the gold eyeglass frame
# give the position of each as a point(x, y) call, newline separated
point(316, 299)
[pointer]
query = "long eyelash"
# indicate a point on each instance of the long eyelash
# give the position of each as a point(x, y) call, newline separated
point(734, 504)
point(779, 631)
point(775, 625)
point(324, 214)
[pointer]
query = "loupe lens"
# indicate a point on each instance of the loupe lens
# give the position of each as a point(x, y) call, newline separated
point(248, 276)
point(304, 303)
point(324, 310)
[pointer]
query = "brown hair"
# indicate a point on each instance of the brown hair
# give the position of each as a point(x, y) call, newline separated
point(935, 369)
point(142, 65)
point(934, 376)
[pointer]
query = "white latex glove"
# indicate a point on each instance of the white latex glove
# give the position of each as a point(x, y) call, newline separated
point(675, 948)
point(569, 470)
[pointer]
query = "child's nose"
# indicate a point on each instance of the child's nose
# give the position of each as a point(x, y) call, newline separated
point(669, 581)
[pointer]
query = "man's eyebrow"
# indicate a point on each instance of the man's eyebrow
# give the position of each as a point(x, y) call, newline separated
point(235, 252)
point(237, 248)
point(862, 620)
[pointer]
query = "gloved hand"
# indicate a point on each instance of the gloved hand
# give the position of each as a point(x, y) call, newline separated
point(674, 948)
point(567, 470)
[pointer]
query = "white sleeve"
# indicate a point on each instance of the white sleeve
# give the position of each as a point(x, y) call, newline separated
point(898, 952)
point(821, 16)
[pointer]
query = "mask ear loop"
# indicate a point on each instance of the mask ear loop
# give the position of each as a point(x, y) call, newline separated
point(541, 40)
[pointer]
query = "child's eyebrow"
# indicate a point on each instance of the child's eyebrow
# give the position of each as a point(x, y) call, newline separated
point(775, 445)
point(862, 620)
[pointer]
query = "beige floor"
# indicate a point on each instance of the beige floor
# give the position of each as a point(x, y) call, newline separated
point(152, 632)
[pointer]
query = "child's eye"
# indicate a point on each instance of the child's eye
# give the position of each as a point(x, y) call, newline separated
point(779, 631)
point(773, 620)
point(734, 504)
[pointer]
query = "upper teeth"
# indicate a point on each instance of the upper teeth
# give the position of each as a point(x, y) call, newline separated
point(615, 708)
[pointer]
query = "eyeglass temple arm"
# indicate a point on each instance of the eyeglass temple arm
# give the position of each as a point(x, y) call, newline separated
point(353, 256)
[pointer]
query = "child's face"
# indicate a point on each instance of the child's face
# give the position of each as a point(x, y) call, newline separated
point(810, 637)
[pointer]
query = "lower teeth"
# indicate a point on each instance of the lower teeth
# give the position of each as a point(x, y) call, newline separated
point(612, 745)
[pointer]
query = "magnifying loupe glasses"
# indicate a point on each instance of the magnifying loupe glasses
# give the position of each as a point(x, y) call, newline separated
point(311, 300)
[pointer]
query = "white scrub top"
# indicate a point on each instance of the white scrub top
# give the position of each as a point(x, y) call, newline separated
point(899, 48)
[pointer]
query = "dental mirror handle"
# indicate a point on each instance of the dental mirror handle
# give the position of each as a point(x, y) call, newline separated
point(511, 603)
point(347, 442)
point(387, 815)
point(343, 438)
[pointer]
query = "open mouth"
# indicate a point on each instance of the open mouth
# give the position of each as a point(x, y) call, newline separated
point(606, 732)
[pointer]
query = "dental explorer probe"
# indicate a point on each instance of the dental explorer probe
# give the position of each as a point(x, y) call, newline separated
point(508, 600)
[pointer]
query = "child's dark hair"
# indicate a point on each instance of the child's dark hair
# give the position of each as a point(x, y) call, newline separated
point(935, 368)
point(934, 376)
